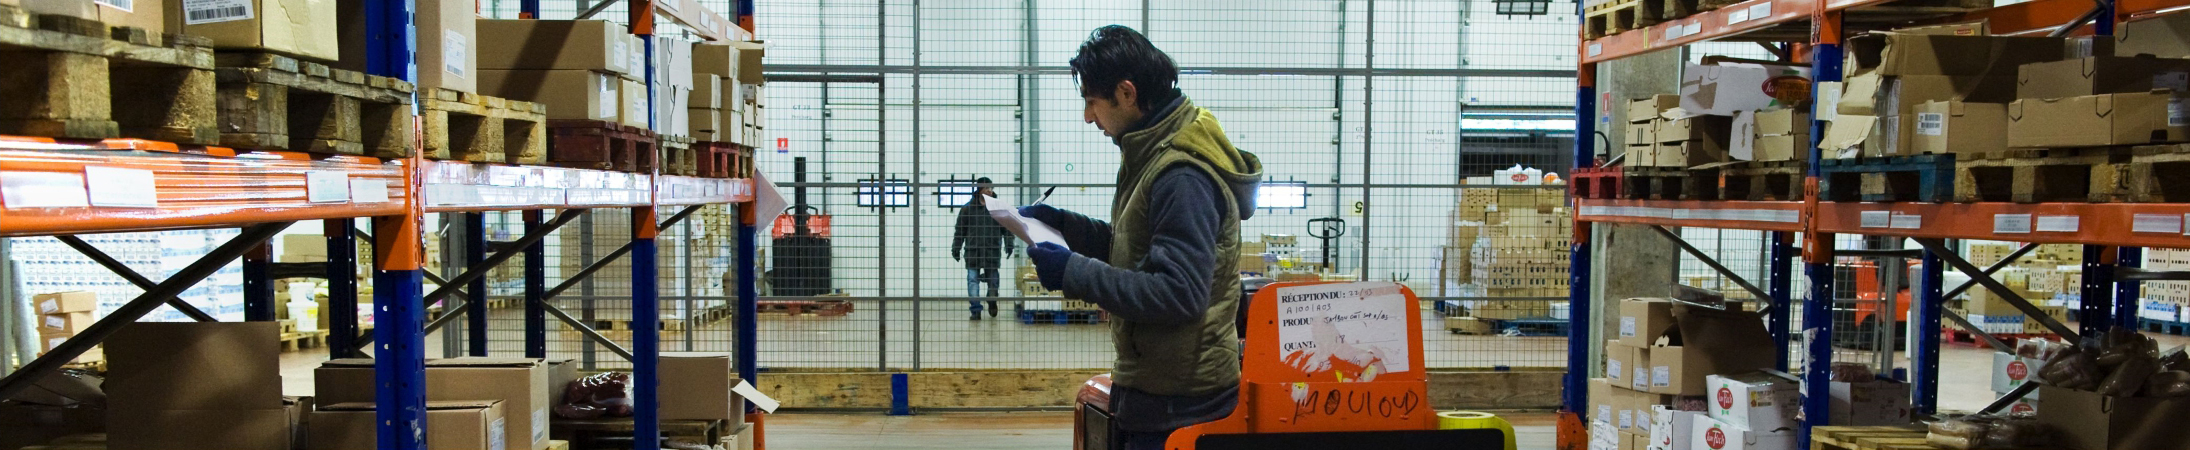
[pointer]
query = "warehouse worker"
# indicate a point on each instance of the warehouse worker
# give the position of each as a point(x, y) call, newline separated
point(1166, 265)
point(977, 242)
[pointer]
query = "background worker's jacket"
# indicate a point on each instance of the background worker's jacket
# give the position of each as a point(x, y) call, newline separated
point(982, 241)
point(1167, 265)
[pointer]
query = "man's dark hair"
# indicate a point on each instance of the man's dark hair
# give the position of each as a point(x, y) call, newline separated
point(1116, 53)
point(983, 181)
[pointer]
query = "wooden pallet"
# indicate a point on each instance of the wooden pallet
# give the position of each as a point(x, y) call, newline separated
point(1614, 16)
point(1762, 180)
point(713, 159)
point(615, 432)
point(2033, 176)
point(478, 128)
point(679, 157)
point(275, 102)
point(1904, 437)
point(1655, 183)
point(69, 77)
point(2157, 174)
point(1597, 183)
point(599, 145)
point(797, 307)
point(2168, 327)
point(1915, 178)
point(299, 340)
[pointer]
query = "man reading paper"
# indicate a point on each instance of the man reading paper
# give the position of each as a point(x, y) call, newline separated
point(1166, 265)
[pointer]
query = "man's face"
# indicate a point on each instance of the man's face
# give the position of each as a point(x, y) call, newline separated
point(1113, 115)
point(986, 191)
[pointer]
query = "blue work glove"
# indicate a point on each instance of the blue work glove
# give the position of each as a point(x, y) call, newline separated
point(1049, 264)
point(1041, 212)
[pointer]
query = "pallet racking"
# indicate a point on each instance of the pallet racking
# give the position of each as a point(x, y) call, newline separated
point(187, 186)
point(2112, 233)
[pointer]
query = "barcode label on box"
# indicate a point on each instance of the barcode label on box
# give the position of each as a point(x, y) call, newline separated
point(1642, 379)
point(196, 12)
point(453, 48)
point(1612, 369)
point(2176, 113)
point(1627, 418)
point(2010, 223)
point(2058, 224)
point(2155, 223)
point(125, 5)
point(1661, 376)
point(1931, 124)
point(1627, 326)
point(1875, 219)
point(609, 102)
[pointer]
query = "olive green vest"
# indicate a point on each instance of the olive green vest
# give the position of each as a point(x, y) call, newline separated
point(1200, 357)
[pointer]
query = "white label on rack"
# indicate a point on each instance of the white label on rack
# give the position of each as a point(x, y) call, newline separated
point(199, 12)
point(121, 188)
point(1693, 28)
point(1738, 15)
point(1761, 10)
point(453, 47)
point(1907, 221)
point(326, 186)
point(368, 191)
point(42, 190)
point(1875, 219)
point(1596, 49)
point(2010, 223)
point(2058, 224)
point(1931, 124)
point(2155, 223)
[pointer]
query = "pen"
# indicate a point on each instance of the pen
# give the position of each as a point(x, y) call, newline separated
point(1045, 195)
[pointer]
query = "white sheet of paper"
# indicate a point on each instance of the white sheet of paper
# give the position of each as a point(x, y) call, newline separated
point(752, 394)
point(1028, 230)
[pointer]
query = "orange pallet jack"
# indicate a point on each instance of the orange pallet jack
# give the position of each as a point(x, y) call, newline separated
point(1323, 365)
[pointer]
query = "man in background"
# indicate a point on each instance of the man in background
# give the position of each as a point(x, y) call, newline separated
point(981, 243)
point(1166, 265)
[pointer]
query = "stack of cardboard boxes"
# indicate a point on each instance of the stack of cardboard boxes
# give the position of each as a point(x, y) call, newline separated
point(1658, 135)
point(1657, 360)
point(1782, 134)
point(473, 390)
point(298, 28)
point(1890, 75)
point(725, 103)
point(2166, 300)
point(2040, 277)
point(63, 314)
point(210, 385)
point(1520, 252)
point(447, 35)
point(581, 69)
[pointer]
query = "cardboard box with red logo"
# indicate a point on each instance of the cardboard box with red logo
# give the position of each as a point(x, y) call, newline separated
point(2009, 371)
point(1761, 400)
point(1708, 433)
point(1669, 430)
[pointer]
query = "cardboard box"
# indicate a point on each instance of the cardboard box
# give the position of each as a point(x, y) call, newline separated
point(707, 92)
point(1719, 435)
point(597, 45)
point(706, 124)
point(1723, 89)
point(64, 323)
point(81, 9)
point(2010, 371)
point(1601, 401)
point(447, 39)
point(696, 385)
point(299, 412)
point(1882, 402)
point(194, 366)
point(2166, 36)
point(633, 98)
point(1641, 132)
point(1690, 154)
point(1713, 129)
point(749, 65)
point(474, 424)
point(150, 15)
point(1633, 441)
point(263, 429)
point(300, 28)
point(2102, 75)
point(1647, 109)
point(1970, 28)
point(1782, 122)
point(720, 60)
point(568, 94)
point(2083, 419)
point(66, 302)
point(23, 424)
point(1644, 320)
point(1754, 401)
point(1669, 428)
point(306, 248)
point(2097, 120)
point(1895, 54)
point(1782, 148)
point(1620, 359)
point(1631, 409)
point(1644, 155)
point(2088, 46)
point(1960, 127)
point(521, 384)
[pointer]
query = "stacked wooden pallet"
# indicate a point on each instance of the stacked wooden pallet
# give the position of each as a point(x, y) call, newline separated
point(78, 78)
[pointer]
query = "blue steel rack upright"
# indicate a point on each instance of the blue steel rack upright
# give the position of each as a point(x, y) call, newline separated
point(2112, 247)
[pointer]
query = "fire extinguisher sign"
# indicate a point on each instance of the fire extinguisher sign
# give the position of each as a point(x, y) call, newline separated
point(783, 145)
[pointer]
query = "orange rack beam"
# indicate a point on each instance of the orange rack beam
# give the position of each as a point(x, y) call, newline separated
point(455, 186)
point(54, 187)
point(1723, 22)
point(1740, 215)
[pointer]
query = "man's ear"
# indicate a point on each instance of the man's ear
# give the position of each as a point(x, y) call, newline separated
point(1127, 94)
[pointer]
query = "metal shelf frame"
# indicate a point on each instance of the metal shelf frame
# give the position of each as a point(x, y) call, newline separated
point(265, 192)
point(2112, 233)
